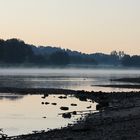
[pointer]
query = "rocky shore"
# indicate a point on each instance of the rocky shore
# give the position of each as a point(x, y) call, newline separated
point(118, 119)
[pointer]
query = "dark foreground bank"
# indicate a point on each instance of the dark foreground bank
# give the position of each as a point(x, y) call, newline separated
point(118, 117)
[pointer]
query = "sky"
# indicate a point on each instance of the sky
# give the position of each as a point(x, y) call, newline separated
point(84, 25)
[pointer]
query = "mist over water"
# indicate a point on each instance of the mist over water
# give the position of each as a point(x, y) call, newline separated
point(76, 79)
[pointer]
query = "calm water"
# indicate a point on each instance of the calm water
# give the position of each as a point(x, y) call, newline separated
point(78, 79)
point(24, 114)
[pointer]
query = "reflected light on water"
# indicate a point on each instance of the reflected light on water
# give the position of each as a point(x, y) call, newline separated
point(25, 115)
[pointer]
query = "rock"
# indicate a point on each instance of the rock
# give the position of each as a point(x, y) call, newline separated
point(35, 132)
point(62, 97)
point(74, 112)
point(66, 115)
point(64, 108)
point(46, 103)
point(89, 107)
point(73, 104)
point(42, 103)
point(45, 95)
point(54, 103)
point(82, 98)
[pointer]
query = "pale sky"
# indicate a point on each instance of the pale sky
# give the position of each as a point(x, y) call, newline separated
point(85, 25)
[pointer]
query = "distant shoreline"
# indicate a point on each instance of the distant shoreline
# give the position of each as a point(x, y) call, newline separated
point(70, 66)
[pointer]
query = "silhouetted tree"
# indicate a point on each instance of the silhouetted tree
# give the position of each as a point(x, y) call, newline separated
point(16, 51)
point(38, 59)
point(59, 58)
point(1, 49)
point(126, 60)
point(133, 61)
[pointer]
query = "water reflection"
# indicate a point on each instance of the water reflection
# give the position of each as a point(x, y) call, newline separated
point(29, 114)
point(10, 97)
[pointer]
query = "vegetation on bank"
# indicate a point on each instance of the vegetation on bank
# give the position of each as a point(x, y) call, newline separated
point(16, 52)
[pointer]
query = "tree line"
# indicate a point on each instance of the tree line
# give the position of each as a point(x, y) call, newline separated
point(16, 51)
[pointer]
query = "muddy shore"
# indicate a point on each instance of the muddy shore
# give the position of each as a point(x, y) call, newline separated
point(118, 117)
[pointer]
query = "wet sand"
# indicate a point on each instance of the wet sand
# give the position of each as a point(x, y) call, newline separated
point(118, 119)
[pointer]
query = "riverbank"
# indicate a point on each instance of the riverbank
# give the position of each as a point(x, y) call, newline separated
point(122, 86)
point(118, 119)
point(128, 80)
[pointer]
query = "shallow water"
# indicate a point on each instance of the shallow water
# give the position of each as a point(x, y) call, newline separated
point(24, 114)
point(77, 79)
